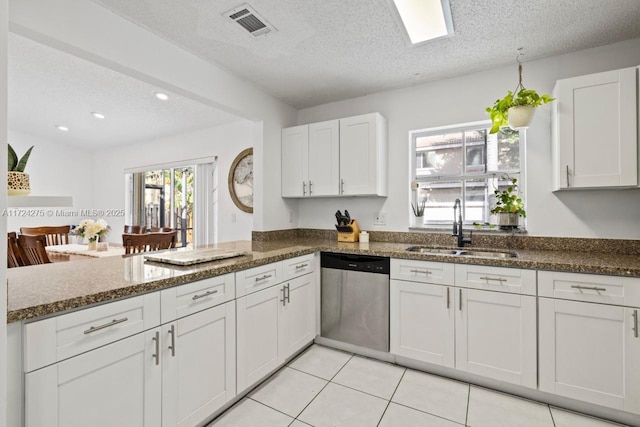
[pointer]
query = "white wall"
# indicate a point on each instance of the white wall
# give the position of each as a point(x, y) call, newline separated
point(130, 49)
point(224, 141)
point(3, 205)
point(603, 213)
point(54, 170)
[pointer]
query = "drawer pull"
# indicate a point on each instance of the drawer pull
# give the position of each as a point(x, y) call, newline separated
point(497, 279)
point(266, 276)
point(206, 294)
point(106, 325)
point(284, 298)
point(156, 356)
point(460, 300)
point(288, 287)
point(635, 323)
point(590, 288)
point(427, 272)
point(448, 299)
point(172, 347)
point(301, 266)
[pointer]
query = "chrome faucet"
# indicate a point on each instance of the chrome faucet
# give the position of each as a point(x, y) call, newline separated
point(457, 225)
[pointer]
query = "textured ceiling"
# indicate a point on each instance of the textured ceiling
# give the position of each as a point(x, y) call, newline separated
point(48, 87)
point(335, 49)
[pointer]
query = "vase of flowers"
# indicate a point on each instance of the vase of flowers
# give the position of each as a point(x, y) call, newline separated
point(93, 231)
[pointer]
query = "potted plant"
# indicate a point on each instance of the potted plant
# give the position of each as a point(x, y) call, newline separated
point(17, 180)
point(509, 207)
point(516, 111)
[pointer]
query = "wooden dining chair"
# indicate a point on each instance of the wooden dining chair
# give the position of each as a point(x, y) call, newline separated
point(33, 247)
point(15, 257)
point(161, 229)
point(146, 242)
point(134, 229)
point(55, 235)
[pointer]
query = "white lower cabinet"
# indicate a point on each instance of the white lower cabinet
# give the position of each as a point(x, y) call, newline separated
point(496, 335)
point(590, 352)
point(422, 322)
point(482, 332)
point(198, 365)
point(115, 385)
point(272, 324)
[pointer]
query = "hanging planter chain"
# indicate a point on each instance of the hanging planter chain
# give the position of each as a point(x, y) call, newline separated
point(520, 85)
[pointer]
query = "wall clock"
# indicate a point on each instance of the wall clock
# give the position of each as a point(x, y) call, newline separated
point(241, 180)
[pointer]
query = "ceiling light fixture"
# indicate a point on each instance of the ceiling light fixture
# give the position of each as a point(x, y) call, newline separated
point(161, 95)
point(423, 20)
point(98, 115)
point(62, 128)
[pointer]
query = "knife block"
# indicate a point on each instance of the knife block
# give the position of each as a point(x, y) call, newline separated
point(348, 233)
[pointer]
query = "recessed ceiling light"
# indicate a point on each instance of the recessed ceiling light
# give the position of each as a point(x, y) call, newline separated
point(62, 128)
point(424, 19)
point(161, 95)
point(97, 115)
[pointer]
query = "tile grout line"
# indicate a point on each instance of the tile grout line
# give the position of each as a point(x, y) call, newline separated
point(325, 386)
point(392, 394)
point(264, 404)
point(466, 417)
point(428, 413)
point(551, 412)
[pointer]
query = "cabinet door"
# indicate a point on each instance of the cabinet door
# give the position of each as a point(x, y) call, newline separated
point(198, 365)
point(324, 159)
point(295, 155)
point(115, 385)
point(590, 352)
point(496, 335)
point(257, 335)
point(361, 163)
point(298, 315)
point(422, 322)
point(597, 130)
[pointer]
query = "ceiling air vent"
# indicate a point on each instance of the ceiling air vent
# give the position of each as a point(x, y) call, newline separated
point(248, 18)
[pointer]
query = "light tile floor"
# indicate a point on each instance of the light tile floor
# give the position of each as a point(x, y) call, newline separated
point(324, 387)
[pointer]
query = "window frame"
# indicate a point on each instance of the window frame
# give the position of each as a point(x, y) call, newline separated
point(463, 177)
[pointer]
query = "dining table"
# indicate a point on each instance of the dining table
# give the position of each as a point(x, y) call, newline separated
point(74, 252)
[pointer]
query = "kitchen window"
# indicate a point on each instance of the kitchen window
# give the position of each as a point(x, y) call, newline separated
point(463, 162)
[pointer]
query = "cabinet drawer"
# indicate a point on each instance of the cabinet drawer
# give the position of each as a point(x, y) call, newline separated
point(254, 279)
point(57, 338)
point(190, 298)
point(439, 273)
point(614, 290)
point(499, 279)
point(298, 266)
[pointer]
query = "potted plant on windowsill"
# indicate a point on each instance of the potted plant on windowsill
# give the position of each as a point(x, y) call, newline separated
point(17, 180)
point(509, 207)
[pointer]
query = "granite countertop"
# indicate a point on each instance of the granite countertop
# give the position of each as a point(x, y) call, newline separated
point(42, 290)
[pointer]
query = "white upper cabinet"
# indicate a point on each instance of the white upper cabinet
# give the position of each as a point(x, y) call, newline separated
point(324, 159)
point(295, 155)
point(363, 155)
point(595, 131)
point(338, 157)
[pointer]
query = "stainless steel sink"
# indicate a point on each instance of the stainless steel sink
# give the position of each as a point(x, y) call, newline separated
point(461, 252)
point(489, 254)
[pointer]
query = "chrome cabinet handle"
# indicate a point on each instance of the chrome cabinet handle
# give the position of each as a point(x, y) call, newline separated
point(591, 288)
point(635, 323)
point(448, 299)
point(172, 347)
point(284, 298)
point(206, 294)
point(304, 188)
point(266, 276)
point(106, 325)
point(287, 286)
point(497, 279)
point(310, 184)
point(460, 300)
point(301, 266)
point(427, 272)
point(342, 186)
point(568, 183)
point(156, 338)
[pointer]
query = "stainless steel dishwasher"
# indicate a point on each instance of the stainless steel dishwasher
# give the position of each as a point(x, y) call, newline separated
point(355, 299)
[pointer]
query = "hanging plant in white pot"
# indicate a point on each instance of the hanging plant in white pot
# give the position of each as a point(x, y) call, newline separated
point(516, 108)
